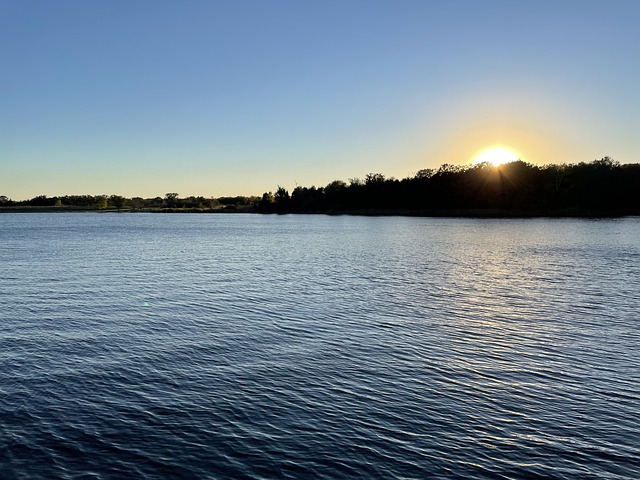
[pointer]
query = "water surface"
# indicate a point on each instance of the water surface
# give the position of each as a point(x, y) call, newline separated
point(247, 346)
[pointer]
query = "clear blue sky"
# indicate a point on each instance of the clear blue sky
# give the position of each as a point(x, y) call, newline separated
point(216, 98)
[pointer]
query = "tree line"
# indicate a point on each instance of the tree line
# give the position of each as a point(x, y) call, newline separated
point(171, 201)
point(600, 187)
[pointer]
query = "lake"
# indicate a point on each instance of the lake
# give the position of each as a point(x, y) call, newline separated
point(258, 347)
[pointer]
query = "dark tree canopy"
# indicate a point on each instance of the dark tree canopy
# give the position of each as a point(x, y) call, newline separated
point(601, 187)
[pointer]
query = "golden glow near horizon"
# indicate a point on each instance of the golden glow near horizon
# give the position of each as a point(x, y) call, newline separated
point(496, 156)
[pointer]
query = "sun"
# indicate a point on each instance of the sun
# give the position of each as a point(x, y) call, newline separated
point(496, 156)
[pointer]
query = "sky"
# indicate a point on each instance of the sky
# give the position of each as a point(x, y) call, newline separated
point(217, 98)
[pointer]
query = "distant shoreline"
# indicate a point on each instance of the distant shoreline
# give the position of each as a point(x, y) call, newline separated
point(602, 188)
point(443, 213)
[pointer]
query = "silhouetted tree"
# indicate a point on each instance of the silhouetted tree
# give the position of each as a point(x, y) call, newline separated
point(171, 199)
point(425, 173)
point(101, 202)
point(118, 201)
point(281, 198)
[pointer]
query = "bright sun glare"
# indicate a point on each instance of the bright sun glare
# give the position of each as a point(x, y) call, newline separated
point(496, 156)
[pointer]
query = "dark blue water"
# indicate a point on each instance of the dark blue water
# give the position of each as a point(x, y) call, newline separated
point(239, 346)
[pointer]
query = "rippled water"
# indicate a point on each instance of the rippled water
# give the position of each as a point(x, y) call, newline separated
point(242, 346)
